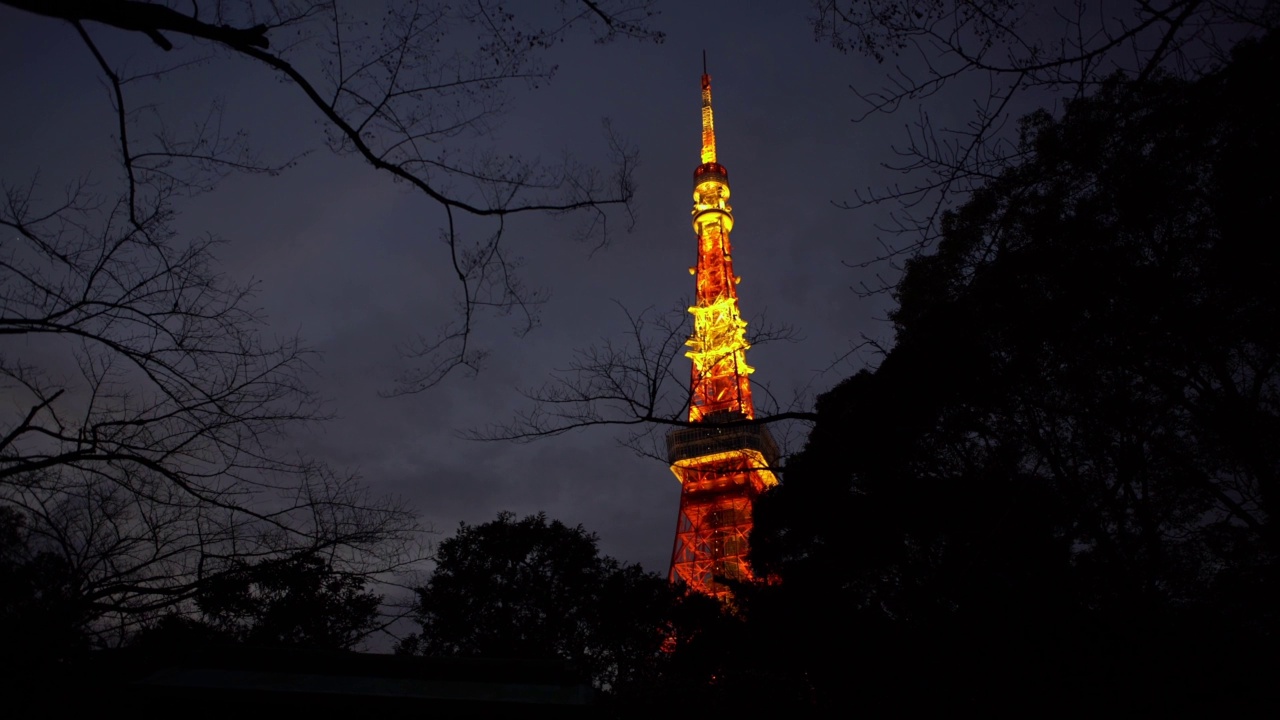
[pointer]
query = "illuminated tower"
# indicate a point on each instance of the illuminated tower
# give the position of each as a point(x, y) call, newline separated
point(723, 462)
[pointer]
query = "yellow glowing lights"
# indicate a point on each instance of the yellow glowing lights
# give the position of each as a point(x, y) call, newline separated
point(719, 333)
point(710, 207)
point(745, 464)
point(718, 348)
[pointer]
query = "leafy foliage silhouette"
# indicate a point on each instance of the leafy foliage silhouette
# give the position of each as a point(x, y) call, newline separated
point(1060, 482)
point(998, 59)
point(300, 601)
point(534, 588)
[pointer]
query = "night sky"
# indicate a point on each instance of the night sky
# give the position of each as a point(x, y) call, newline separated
point(353, 262)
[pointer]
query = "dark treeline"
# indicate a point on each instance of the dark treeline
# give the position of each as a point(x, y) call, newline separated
point(302, 600)
point(1056, 490)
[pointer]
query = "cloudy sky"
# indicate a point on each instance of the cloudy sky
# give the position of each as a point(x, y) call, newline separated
point(353, 262)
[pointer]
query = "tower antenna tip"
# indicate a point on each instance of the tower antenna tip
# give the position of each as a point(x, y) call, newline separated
point(704, 62)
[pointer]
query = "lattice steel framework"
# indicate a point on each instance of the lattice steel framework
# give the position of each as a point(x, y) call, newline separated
point(723, 462)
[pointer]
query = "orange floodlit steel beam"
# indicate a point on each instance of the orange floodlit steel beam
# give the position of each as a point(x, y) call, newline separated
point(729, 467)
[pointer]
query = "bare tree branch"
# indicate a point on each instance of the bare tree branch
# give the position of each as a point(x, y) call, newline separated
point(640, 383)
point(407, 98)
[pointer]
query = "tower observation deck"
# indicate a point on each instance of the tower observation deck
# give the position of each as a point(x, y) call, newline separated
point(723, 461)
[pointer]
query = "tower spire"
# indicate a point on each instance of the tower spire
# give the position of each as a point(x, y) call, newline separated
point(721, 459)
point(708, 121)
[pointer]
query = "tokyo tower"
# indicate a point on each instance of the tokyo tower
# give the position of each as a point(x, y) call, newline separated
point(722, 460)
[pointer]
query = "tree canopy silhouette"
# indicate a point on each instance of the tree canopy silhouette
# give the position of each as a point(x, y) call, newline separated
point(535, 588)
point(1069, 457)
point(299, 601)
point(41, 608)
point(998, 59)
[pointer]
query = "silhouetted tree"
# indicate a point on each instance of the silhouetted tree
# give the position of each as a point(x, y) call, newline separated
point(42, 612)
point(964, 69)
point(297, 602)
point(1060, 481)
point(143, 439)
point(537, 589)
